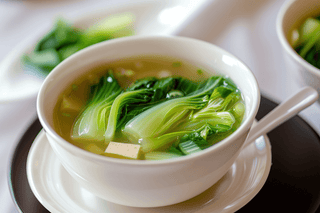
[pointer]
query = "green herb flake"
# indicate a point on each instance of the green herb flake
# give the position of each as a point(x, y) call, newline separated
point(75, 87)
point(129, 73)
point(66, 114)
point(199, 71)
point(176, 64)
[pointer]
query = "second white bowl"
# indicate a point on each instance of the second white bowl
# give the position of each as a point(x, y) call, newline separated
point(290, 17)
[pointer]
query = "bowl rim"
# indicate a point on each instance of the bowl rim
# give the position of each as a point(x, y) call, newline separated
point(285, 43)
point(245, 126)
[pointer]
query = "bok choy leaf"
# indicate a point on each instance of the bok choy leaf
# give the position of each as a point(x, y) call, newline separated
point(93, 121)
point(65, 39)
point(167, 115)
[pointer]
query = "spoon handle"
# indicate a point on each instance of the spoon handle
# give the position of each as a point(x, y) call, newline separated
point(287, 109)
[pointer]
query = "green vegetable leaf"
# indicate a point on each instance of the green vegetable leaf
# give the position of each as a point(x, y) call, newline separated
point(158, 155)
point(144, 83)
point(189, 147)
point(93, 121)
point(161, 118)
point(64, 40)
point(120, 106)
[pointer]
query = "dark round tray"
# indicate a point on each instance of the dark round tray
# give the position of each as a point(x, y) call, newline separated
point(293, 184)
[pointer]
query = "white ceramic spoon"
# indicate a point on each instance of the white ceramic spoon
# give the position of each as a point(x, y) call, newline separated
point(287, 109)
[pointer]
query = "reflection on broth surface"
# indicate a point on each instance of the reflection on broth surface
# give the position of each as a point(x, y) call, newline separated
point(148, 108)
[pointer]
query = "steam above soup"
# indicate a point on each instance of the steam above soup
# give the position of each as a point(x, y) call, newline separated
point(148, 108)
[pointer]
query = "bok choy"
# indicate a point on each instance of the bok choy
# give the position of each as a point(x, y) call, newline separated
point(306, 40)
point(93, 121)
point(160, 118)
point(65, 39)
point(167, 117)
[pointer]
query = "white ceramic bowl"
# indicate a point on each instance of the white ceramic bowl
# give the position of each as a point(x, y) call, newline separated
point(148, 183)
point(290, 17)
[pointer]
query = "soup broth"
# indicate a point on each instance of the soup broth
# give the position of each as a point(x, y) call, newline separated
point(186, 130)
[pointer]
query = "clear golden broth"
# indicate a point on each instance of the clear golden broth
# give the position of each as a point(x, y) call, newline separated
point(140, 66)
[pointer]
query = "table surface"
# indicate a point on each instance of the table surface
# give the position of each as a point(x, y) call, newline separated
point(246, 28)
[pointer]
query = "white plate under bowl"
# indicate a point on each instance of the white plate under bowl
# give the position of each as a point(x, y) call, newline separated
point(58, 192)
point(151, 18)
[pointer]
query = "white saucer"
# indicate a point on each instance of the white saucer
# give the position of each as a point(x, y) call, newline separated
point(58, 192)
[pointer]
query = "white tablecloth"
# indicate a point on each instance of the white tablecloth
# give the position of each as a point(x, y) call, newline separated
point(245, 28)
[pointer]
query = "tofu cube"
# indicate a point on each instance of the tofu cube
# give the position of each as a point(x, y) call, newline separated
point(123, 150)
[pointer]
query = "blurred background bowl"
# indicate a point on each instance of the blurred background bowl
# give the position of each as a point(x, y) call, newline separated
point(290, 16)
